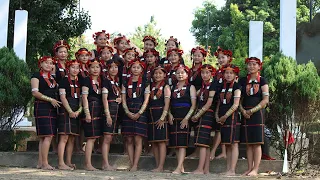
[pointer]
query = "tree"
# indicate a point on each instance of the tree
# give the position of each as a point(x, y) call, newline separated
point(79, 42)
point(48, 22)
point(229, 26)
point(14, 88)
point(148, 29)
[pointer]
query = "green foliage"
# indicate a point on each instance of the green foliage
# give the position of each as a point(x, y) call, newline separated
point(48, 22)
point(14, 88)
point(79, 42)
point(148, 29)
point(229, 26)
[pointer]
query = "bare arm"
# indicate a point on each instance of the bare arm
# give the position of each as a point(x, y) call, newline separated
point(263, 103)
point(39, 95)
point(206, 106)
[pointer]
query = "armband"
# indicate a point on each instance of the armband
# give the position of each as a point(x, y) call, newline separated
point(105, 91)
point(35, 90)
point(265, 93)
point(62, 93)
point(85, 92)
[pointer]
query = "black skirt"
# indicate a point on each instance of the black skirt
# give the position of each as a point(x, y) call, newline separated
point(46, 118)
point(67, 125)
point(114, 109)
point(252, 130)
point(179, 138)
point(155, 134)
point(137, 127)
point(93, 128)
point(230, 130)
point(203, 129)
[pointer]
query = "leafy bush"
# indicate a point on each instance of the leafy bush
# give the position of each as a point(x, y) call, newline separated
point(14, 88)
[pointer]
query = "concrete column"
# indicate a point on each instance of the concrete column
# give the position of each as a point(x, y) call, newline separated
point(256, 39)
point(4, 18)
point(20, 33)
point(288, 26)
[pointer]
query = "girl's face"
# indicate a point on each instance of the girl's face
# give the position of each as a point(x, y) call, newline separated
point(94, 69)
point(253, 67)
point(62, 53)
point(158, 75)
point(148, 44)
point(136, 69)
point(171, 45)
point(102, 40)
point(122, 45)
point(106, 55)
point(113, 69)
point(229, 75)
point(181, 74)
point(174, 57)
point(84, 58)
point(223, 59)
point(151, 59)
point(74, 69)
point(206, 75)
point(47, 65)
point(197, 57)
point(129, 56)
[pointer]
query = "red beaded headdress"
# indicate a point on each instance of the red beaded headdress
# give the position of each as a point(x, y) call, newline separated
point(151, 51)
point(72, 62)
point(209, 68)
point(97, 34)
point(117, 39)
point(105, 48)
point(223, 51)
point(179, 51)
point(93, 61)
point(232, 67)
point(45, 58)
point(82, 51)
point(137, 61)
point(253, 59)
point(181, 66)
point(151, 38)
point(172, 39)
point(61, 43)
point(202, 51)
point(132, 49)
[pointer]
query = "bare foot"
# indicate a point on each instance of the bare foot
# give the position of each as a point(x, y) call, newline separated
point(230, 173)
point(212, 155)
point(247, 172)
point(90, 168)
point(206, 172)
point(177, 171)
point(253, 173)
point(108, 168)
point(47, 167)
point(157, 170)
point(72, 165)
point(197, 172)
point(134, 168)
point(38, 166)
point(194, 155)
point(220, 156)
point(65, 167)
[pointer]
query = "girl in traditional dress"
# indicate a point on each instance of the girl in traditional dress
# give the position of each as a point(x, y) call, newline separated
point(60, 49)
point(105, 54)
point(198, 55)
point(92, 107)
point(135, 98)
point(111, 99)
point(128, 55)
point(101, 39)
point(224, 58)
point(227, 116)
point(204, 118)
point(68, 122)
point(175, 57)
point(44, 89)
point(151, 57)
point(183, 103)
point(158, 109)
point(171, 43)
point(120, 43)
point(255, 97)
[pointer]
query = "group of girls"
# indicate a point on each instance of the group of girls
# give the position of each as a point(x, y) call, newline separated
point(150, 98)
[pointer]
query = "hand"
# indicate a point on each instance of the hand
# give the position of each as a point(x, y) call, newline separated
point(118, 100)
point(130, 115)
point(76, 114)
point(244, 113)
point(136, 116)
point(184, 124)
point(109, 121)
point(194, 118)
point(160, 124)
point(55, 103)
point(222, 119)
point(170, 119)
point(72, 114)
point(249, 112)
point(88, 118)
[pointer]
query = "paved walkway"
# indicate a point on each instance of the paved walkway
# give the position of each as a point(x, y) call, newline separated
point(12, 173)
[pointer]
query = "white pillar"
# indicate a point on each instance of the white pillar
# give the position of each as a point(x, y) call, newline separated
point(4, 18)
point(256, 39)
point(20, 33)
point(288, 16)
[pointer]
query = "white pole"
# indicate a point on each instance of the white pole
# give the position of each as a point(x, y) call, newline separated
point(288, 25)
point(20, 33)
point(4, 19)
point(256, 39)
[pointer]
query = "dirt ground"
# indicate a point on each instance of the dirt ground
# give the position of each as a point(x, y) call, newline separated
point(14, 173)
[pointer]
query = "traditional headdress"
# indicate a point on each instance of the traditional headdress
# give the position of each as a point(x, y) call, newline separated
point(97, 34)
point(232, 67)
point(161, 68)
point(59, 44)
point(132, 49)
point(198, 48)
point(137, 61)
point(82, 51)
point(175, 40)
point(151, 38)
point(93, 61)
point(225, 52)
point(253, 59)
point(121, 37)
point(112, 61)
point(179, 51)
point(209, 68)
point(72, 62)
point(107, 47)
point(151, 51)
point(181, 66)
point(45, 58)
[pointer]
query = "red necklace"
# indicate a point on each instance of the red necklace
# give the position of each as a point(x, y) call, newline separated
point(178, 93)
point(193, 74)
point(159, 89)
point(226, 94)
point(132, 94)
point(61, 69)
point(73, 86)
point(253, 86)
point(52, 83)
point(96, 85)
point(115, 85)
point(204, 91)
